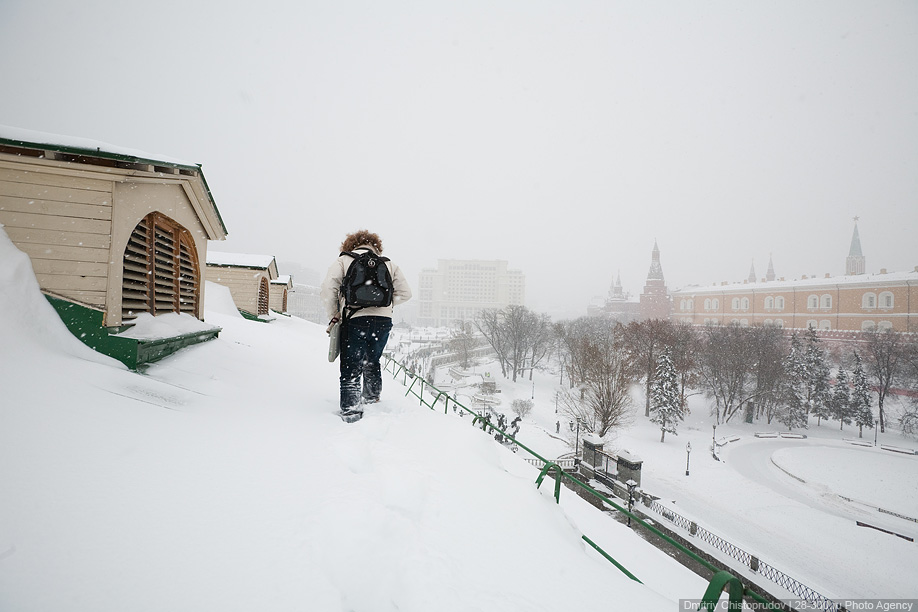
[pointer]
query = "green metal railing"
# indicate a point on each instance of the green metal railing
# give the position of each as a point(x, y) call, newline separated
point(721, 580)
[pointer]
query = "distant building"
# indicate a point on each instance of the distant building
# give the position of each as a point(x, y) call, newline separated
point(248, 277)
point(280, 289)
point(458, 289)
point(617, 306)
point(655, 300)
point(853, 303)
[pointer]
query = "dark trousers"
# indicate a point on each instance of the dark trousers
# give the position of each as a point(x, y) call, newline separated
point(362, 342)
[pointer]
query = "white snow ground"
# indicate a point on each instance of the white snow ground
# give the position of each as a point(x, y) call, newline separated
point(805, 529)
point(221, 479)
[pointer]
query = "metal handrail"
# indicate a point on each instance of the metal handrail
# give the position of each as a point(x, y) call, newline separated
point(720, 580)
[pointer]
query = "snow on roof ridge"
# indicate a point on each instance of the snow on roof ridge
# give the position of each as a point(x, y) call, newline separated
point(34, 137)
point(807, 281)
point(248, 260)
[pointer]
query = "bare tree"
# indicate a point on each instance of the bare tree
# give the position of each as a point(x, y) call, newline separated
point(463, 342)
point(600, 398)
point(490, 324)
point(908, 420)
point(519, 336)
point(885, 355)
point(770, 350)
point(645, 341)
point(684, 344)
point(540, 340)
point(725, 366)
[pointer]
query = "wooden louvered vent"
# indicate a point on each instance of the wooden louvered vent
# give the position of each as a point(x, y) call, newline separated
point(161, 272)
point(263, 297)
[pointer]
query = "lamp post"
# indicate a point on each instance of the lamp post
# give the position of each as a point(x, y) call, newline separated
point(714, 441)
point(631, 486)
point(876, 424)
point(577, 440)
point(688, 452)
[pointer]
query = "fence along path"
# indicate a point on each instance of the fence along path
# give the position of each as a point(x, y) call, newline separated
point(430, 396)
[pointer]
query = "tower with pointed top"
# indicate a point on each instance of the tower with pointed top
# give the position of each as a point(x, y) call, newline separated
point(856, 262)
point(655, 300)
point(751, 278)
point(770, 273)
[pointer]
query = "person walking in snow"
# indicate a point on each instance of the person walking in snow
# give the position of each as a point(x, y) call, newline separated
point(359, 291)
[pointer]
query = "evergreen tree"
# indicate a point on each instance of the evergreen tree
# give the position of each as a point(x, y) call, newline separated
point(818, 390)
point(793, 412)
point(860, 398)
point(841, 399)
point(665, 396)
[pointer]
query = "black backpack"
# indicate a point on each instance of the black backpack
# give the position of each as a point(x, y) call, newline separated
point(367, 282)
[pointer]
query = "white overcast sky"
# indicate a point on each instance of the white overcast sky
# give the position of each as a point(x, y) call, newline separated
point(564, 137)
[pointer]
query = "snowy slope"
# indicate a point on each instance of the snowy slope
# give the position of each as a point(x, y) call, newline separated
point(221, 479)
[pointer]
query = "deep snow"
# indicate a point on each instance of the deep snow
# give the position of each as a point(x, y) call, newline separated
point(221, 479)
point(754, 497)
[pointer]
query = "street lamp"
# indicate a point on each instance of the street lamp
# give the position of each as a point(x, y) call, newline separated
point(688, 452)
point(876, 424)
point(714, 442)
point(631, 486)
point(577, 440)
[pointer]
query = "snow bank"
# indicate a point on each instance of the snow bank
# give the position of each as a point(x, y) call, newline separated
point(169, 325)
point(27, 321)
point(222, 479)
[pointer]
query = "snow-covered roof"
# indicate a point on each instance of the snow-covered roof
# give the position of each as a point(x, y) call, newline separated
point(87, 148)
point(779, 285)
point(282, 279)
point(239, 260)
point(58, 142)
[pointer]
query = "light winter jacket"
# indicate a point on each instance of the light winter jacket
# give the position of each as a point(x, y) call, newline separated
point(333, 301)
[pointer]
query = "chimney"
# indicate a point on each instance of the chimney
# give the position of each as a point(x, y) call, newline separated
point(828, 275)
point(803, 277)
point(882, 270)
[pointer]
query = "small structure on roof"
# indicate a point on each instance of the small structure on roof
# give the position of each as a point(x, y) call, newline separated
point(248, 277)
point(280, 288)
point(112, 233)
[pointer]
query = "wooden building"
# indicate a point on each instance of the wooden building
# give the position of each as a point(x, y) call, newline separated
point(280, 289)
point(111, 232)
point(248, 277)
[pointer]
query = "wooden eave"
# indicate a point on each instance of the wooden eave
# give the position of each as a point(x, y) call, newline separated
point(144, 169)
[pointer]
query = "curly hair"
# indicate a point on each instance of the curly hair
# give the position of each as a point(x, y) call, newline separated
point(362, 238)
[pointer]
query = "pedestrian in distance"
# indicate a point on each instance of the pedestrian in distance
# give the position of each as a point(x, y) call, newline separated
point(359, 293)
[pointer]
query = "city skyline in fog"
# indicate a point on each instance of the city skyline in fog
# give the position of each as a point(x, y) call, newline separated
point(563, 139)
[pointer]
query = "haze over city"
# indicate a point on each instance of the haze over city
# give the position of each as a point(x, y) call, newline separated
point(547, 135)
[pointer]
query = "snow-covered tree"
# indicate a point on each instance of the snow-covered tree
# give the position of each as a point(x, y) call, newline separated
point(793, 410)
point(521, 407)
point(601, 373)
point(860, 398)
point(665, 396)
point(816, 382)
point(841, 399)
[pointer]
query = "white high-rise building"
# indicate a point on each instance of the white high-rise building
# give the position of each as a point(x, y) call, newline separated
point(458, 289)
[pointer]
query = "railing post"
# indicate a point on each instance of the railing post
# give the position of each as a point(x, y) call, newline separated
point(559, 474)
point(723, 580)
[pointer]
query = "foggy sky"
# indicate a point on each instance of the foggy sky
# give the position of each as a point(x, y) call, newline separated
point(563, 137)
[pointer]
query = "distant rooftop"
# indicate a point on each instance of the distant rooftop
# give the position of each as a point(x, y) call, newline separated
point(812, 281)
point(238, 260)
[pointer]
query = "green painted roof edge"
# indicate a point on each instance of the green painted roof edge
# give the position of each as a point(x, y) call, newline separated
point(45, 146)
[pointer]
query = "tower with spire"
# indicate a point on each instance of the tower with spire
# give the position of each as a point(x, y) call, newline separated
point(856, 262)
point(655, 300)
point(770, 273)
point(751, 277)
